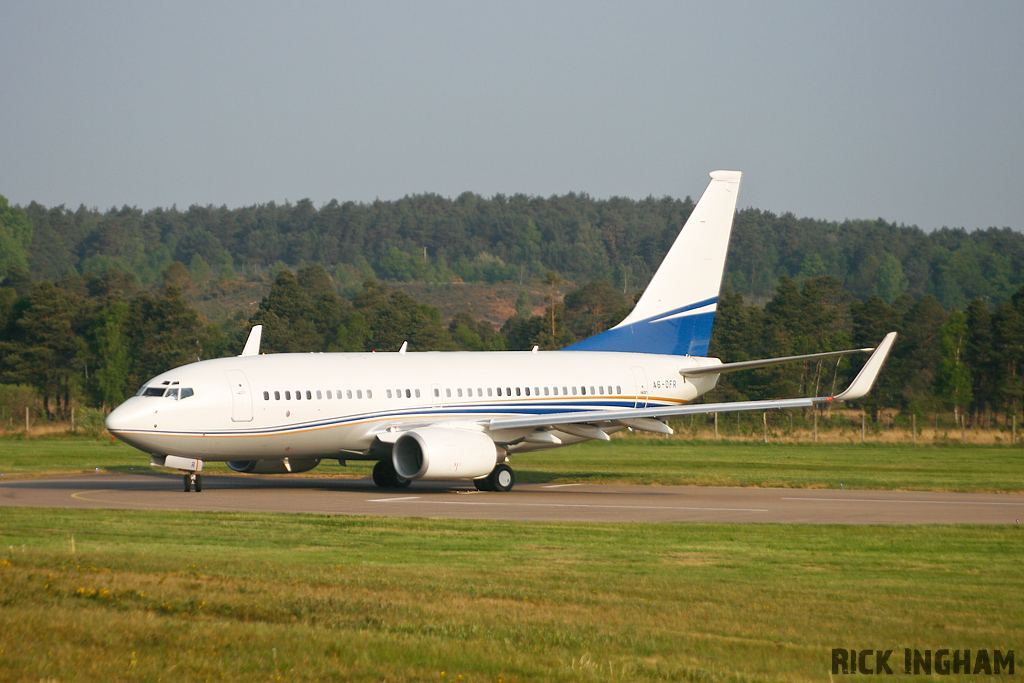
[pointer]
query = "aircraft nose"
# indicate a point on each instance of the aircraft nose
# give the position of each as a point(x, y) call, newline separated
point(128, 416)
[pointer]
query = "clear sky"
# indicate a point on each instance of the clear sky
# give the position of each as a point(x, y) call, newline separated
point(908, 111)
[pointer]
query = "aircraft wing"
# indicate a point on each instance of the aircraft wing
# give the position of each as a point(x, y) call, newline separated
point(642, 418)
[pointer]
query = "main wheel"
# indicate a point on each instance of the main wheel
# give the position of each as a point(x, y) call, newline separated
point(199, 483)
point(501, 478)
point(385, 476)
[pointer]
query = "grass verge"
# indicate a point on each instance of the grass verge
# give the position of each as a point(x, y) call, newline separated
point(94, 595)
point(637, 460)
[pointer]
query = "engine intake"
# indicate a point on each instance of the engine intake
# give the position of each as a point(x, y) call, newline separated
point(444, 453)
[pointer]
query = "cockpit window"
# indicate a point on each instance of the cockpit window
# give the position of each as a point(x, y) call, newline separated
point(167, 392)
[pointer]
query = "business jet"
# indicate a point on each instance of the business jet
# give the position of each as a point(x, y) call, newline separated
point(461, 415)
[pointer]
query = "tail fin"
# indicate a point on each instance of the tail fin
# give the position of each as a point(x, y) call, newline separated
point(677, 310)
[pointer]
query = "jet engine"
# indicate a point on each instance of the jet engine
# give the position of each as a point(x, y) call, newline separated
point(444, 453)
point(283, 466)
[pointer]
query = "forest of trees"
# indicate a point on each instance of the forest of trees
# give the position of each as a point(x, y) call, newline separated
point(516, 238)
point(91, 303)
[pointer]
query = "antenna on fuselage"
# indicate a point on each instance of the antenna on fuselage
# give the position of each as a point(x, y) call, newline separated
point(252, 344)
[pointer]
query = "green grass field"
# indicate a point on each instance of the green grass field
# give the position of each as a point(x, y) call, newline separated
point(639, 460)
point(93, 595)
point(97, 595)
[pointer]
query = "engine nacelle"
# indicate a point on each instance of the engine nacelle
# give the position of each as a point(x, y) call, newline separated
point(444, 453)
point(283, 466)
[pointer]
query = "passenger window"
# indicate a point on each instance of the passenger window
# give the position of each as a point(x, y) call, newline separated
point(519, 391)
point(459, 392)
point(508, 391)
point(287, 395)
point(555, 390)
point(318, 395)
point(298, 395)
point(408, 394)
point(338, 393)
point(417, 393)
point(388, 393)
point(480, 392)
point(437, 393)
point(348, 393)
point(499, 391)
point(266, 395)
point(618, 389)
point(565, 391)
point(448, 393)
point(489, 392)
point(277, 395)
point(369, 393)
point(329, 394)
point(309, 395)
point(359, 393)
point(527, 391)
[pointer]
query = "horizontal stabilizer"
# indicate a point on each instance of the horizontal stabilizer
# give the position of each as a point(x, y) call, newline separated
point(764, 362)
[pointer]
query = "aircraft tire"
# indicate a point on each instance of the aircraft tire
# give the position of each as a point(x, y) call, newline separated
point(502, 478)
point(199, 483)
point(483, 483)
point(385, 476)
point(188, 483)
point(380, 475)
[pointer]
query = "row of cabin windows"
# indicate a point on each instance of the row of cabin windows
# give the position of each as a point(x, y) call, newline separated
point(349, 393)
point(600, 390)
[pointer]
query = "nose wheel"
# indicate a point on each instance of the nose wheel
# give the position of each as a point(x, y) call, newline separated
point(193, 479)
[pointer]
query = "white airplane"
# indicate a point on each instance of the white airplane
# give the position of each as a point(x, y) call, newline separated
point(460, 415)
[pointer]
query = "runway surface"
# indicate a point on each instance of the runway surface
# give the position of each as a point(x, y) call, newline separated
point(538, 502)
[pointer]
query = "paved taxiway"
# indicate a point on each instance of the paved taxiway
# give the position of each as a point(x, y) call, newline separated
point(572, 502)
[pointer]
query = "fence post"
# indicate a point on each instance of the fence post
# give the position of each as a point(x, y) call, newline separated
point(863, 427)
point(913, 428)
point(764, 420)
point(26, 421)
point(815, 425)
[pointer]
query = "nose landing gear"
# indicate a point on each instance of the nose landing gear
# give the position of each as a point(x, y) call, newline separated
point(193, 479)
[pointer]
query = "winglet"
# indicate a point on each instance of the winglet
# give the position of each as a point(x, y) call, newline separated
point(865, 379)
point(252, 344)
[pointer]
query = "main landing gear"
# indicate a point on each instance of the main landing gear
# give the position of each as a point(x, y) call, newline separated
point(385, 476)
point(501, 478)
point(193, 479)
